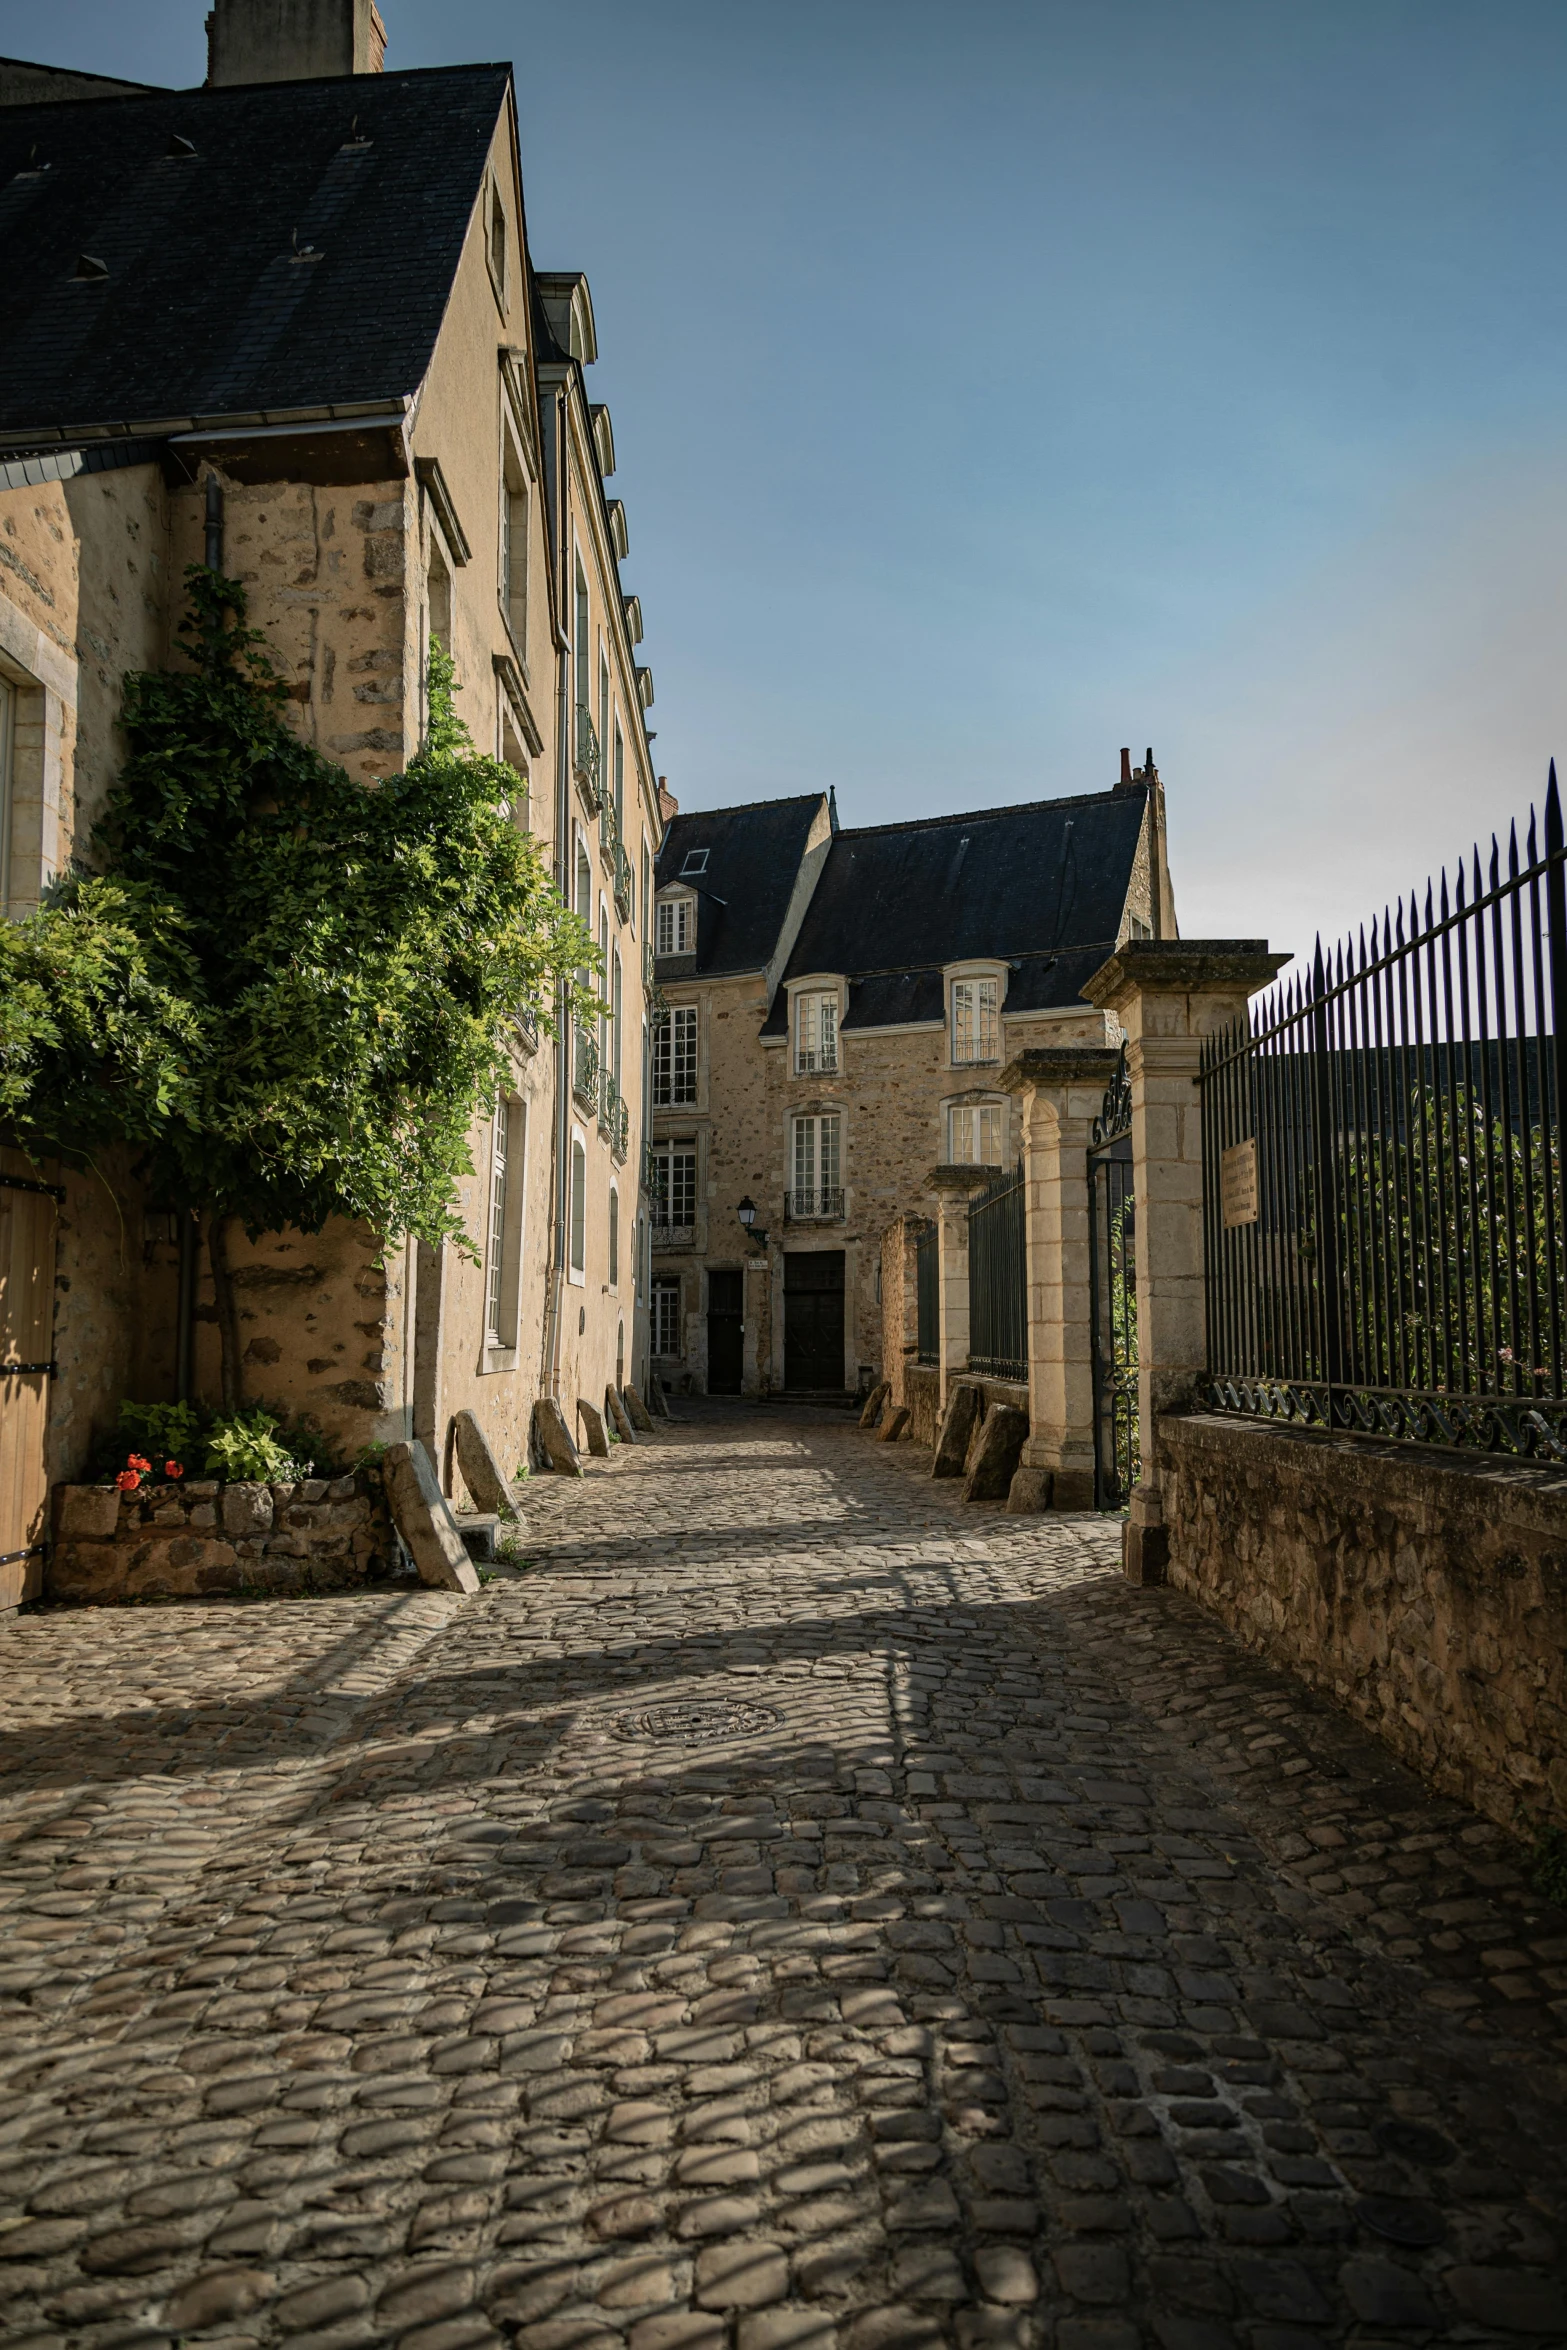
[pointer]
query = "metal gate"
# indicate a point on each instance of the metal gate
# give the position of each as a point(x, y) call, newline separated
point(998, 1280)
point(1112, 1246)
point(29, 1211)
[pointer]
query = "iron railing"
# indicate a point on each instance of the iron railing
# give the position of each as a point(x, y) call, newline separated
point(998, 1279)
point(673, 1235)
point(622, 879)
point(585, 756)
point(1384, 1215)
point(614, 1117)
point(585, 1069)
point(927, 1298)
point(1112, 1257)
point(822, 1205)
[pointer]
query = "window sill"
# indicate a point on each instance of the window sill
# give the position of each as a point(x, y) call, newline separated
point(574, 1279)
point(500, 1358)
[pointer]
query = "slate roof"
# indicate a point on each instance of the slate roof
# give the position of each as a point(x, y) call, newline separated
point(753, 861)
point(205, 312)
point(1041, 886)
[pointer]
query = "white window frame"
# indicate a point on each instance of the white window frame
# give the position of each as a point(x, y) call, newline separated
point(676, 925)
point(815, 1012)
point(497, 244)
point(577, 1211)
point(816, 1165)
point(974, 1000)
point(666, 1194)
point(675, 1059)
point(974, 1116)
point(506, 1173)
point(667, 1319)
point(614, 1236)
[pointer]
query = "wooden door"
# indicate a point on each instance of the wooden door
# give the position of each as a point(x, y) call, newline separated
point(813, 1320)
point(725, 1332)
point(28, 1213)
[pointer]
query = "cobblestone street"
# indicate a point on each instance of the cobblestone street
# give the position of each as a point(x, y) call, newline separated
point(789, 1909)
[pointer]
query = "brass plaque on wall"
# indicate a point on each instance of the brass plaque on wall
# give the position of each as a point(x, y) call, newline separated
point(1238, 1183)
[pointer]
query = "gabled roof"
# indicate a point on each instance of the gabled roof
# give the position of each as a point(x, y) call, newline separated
point(1041, 887)
point(753, 860)
point(207, 309)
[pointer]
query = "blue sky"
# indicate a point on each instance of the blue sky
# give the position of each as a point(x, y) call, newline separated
point(995, 384)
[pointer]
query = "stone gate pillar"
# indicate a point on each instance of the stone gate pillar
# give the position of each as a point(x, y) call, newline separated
point(1169, 994)
point(954, 1187)
point(1062, 1090)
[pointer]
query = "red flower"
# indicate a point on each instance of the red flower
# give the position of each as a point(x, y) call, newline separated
point(127, 1480)
point(172, 1469)
point(134, 1460)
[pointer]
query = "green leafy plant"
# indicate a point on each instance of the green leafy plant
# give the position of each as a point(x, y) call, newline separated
point(294, 991)
point(245, 1446)
point(165, 1430)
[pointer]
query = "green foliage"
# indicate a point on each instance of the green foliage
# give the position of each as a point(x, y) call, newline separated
point(163, 1431)
point(1549, 1877)
point(293, 990)
point(246, 1445)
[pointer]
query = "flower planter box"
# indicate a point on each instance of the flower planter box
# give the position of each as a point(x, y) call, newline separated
point(188, 1539)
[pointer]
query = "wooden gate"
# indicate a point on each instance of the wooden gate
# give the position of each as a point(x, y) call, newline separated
point(29, 1211)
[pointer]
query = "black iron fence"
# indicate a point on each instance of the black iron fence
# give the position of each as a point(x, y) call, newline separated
point(927, 1299)
point(998, 1280)
point(1384, 1217)
point(1112, 1256)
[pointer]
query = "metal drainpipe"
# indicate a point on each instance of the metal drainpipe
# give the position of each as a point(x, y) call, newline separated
point(565, 1041)
point(214, 523)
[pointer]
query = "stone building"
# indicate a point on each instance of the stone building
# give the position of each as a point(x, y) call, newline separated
point(298, 310)
point(841, 1004)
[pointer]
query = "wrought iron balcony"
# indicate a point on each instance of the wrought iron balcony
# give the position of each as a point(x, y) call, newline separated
point(585, 1069)
point(622, 880)
point(673, 1235)
point(585, 758)
point(526, 1027)
point(609, 822)
point(614, 1117)
point(649, 971)
point(823, 1206)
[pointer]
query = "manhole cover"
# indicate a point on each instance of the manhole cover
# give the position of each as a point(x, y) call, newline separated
point(1400, 2219)
point(696, 1725)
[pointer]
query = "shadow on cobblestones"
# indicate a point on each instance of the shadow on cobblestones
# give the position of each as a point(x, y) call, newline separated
point(1029, 1970)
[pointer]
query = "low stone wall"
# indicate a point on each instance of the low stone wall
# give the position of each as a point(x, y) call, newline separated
point(1425, 1592)
point(182, 1540)
point(922, 1394)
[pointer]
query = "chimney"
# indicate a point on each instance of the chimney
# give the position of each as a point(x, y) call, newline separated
point(1126, 767)
point(292, 40)
point(668, 805)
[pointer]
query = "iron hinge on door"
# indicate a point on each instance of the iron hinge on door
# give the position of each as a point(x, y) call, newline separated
point(54, 1191)
point(29, 1370)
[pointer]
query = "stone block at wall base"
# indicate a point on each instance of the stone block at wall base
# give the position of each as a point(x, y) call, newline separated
point(481, 1471)
point(993, 1461)
point(893, 1426)
point(1035, 1488)
point(956, 1432)
point(555, 1438)
point(873, 1403)
point(423, 1517)
point(162, 1541)
point(1145, 1553)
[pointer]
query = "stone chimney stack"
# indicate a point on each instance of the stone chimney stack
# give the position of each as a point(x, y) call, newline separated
point(292, 40)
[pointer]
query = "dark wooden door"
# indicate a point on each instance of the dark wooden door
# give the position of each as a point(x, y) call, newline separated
point(725, 1332)
point(813, 1319)
point(29, 1212)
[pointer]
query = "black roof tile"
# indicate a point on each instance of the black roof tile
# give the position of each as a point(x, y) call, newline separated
point(206, 311)
point(753, 861)
point(1041, 886)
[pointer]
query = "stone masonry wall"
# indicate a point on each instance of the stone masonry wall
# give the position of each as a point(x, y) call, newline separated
point(188, 1539)
point(1424, 1592)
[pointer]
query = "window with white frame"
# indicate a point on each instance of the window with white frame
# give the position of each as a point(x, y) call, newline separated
point(976, 1133)
point(815, 1032)
point(674, 1058)
point(578, 1234)
point(498, 240)
point(666, 1320)
point(674, 1189)
point(816, 1187)
point(500, 1153)
point(614, 1237)
point(676, 926)
point(976, 1020)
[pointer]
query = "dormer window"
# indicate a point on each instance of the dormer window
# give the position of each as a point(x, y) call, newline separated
point(815, 1034)
point(676, 926)
point(976, 1020)
point(696, 862)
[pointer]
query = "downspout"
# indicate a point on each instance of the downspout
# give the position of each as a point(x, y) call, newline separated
point(565, 1041)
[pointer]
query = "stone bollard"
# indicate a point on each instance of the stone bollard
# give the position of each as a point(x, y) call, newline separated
point(598, 1442)
point(555, 1438)
point(995, 1453)
point(423, 1518)
point(481, 1472)
point(965, 1406)
point(1169, 995)
point(873, 1403)
point(615, 1410)
point(894, 1425)
point(641, 1417)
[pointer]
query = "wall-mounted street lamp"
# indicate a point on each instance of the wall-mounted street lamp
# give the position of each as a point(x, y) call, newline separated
point(746, 1212)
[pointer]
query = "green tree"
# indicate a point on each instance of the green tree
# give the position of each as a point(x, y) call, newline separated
point(294, 991)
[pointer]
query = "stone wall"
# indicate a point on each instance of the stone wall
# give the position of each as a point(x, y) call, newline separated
point(189, 1539)
point(1424, 1592)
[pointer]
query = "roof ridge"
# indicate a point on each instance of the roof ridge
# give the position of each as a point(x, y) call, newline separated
point(742, 807)
point(141, 93)
point(978, 815)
